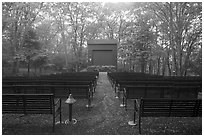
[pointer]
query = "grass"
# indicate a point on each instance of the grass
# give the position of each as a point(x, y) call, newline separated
point(94, 122)
point(105, 118)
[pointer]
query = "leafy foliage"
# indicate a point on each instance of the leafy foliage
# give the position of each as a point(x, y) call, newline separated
point(158, 37)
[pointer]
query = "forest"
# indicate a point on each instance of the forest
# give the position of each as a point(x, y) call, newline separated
point(161, 38)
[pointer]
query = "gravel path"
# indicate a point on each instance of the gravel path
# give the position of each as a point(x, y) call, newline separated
point(111, 118)
point(106, 117)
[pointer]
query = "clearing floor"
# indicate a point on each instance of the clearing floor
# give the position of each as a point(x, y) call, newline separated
point(106, 117)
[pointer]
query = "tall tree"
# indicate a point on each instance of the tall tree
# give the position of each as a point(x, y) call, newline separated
point(16, 18)
point(183, 21)
point(31, 47)
point(157, 38)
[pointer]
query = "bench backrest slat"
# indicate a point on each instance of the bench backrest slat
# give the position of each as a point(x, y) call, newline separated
point(170, 107)
point(136, 92)
point(27, 103)
point(78, 91)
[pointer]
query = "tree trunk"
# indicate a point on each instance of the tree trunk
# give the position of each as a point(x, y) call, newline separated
point(158, 65)
point(163, 66)
point(133, 68)
point(171, 41)
point(169, 67)
point(14, 48)
point(79, 61)
point(64, 44)
point(124, 65)
point(142, 64)
point(28, 67)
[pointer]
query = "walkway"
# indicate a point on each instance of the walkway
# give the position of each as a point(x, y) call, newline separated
point(106, 117)
point(110, 118)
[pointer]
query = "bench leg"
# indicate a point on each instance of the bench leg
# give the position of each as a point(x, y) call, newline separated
point(115, 88)
point(60, 110)
point(89, 103)
point(53, 126)
point(94, 88)
point(123, 101)
point(53, 113)
point(117, 93)
point(126, 104)
point(111, 82)
point(139, 124)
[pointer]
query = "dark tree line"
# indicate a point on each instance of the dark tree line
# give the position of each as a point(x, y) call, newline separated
point(156, 38)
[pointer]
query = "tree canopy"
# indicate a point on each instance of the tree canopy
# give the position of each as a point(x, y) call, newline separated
point(162, 38)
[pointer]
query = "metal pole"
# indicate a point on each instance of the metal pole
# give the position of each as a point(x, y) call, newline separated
point(115, 87)
point(70, 112)
point(134, 111)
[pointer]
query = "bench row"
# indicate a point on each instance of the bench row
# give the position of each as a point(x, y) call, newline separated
point(56, 76)
point(152, 87)
point(59, 91)
point(137, 92)
point(148, 81)
point(117, 78)
point(76, 79)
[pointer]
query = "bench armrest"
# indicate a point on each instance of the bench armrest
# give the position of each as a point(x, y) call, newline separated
point(57, 101)
point(137, 103)
point(57, 107)
point(124, 92)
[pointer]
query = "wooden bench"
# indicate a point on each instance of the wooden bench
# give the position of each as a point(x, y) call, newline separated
point(157, 82)
point(59, 91)
point(149, 107)
point(62, 79)
point(32, 104)
point(136, 92)
point(49, 82)
point(120, 79)
point(123, 84)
